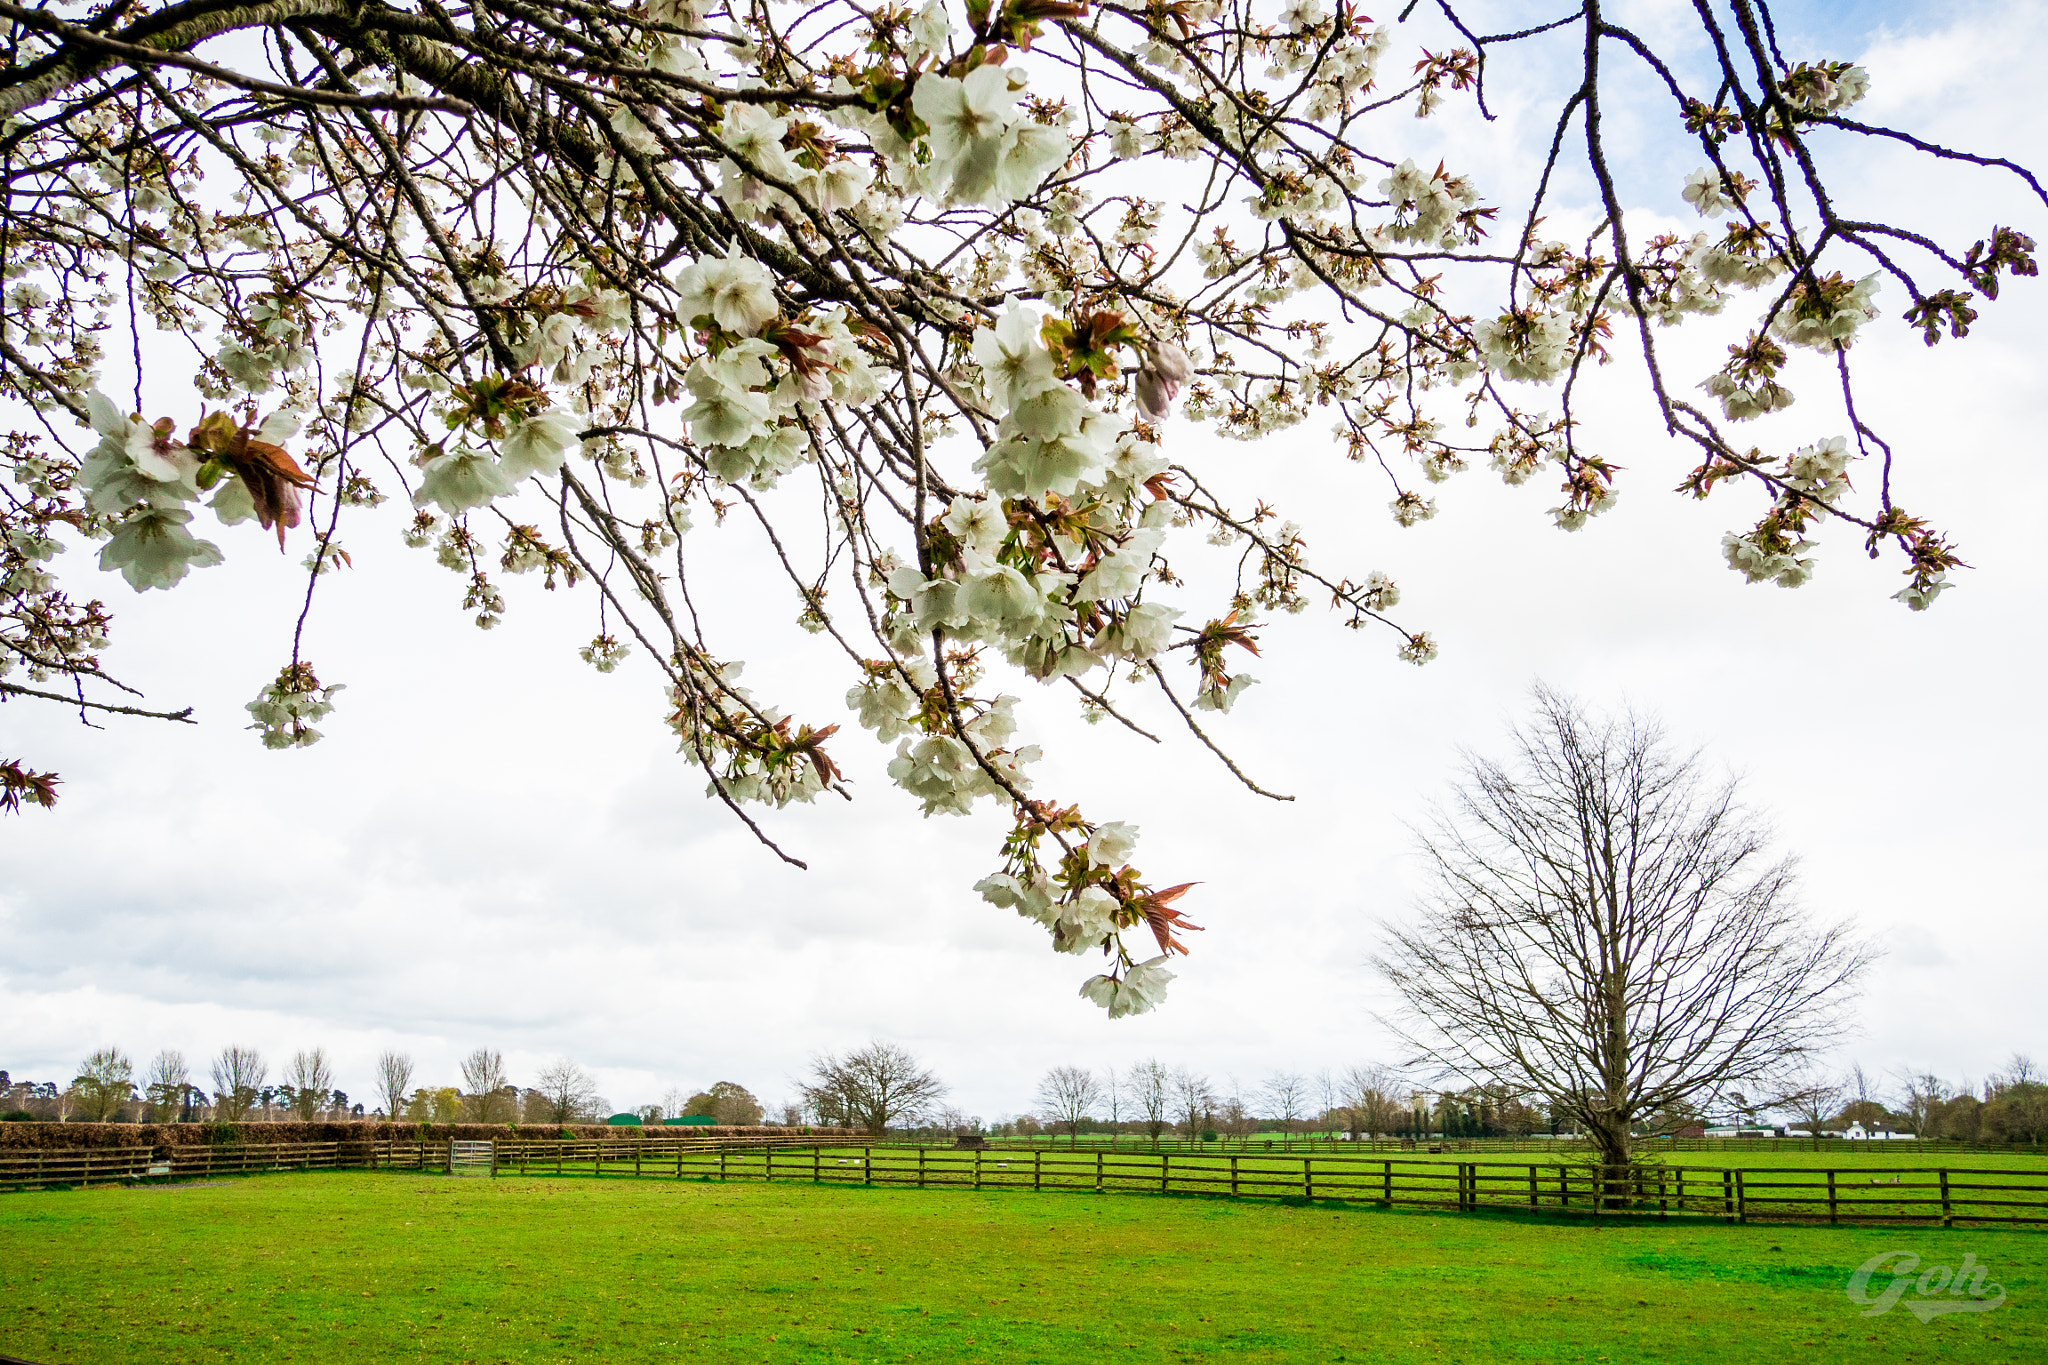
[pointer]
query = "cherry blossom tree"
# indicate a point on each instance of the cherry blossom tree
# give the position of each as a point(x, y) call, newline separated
point(936, 299)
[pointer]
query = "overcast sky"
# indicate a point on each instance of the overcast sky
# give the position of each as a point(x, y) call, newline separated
point(498, 846)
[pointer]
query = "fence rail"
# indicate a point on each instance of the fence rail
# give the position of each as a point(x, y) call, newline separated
point(1947, 1195)
point(1897, 1194)
point(1902, 1148)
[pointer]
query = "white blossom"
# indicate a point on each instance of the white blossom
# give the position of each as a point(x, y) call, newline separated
point(981, 525)
point(461, 479)
point(1140, 633)
point(1142, 988)
point(152, 548)
point(538, 445)
point(1111, 844)
point(735, 292)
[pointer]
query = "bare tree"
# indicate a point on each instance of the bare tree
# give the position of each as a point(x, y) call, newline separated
point(1232, 1116)
point(2019, 1070)
point(394, 1078)
point(567, 1092)
point(1814, 1098)
point(1323, 1095)
point(1608, 929)
point(1193, 1100)
point(1866, 1104)
point(105, 1082)
point(1151, 1094)
point(1923, 1093)
point(1069, 1094)
point(311, 1080)
point(238, 1074)
point(490, 1094)
point(1113, 1087)
point(1374, 1098)
point(165, 1084)
point(1284, 1094)
point(871, 1087)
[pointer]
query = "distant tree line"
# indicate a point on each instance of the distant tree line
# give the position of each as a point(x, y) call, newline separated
point(108, 1088)
point(1153, 1100)
point(2011, 1106)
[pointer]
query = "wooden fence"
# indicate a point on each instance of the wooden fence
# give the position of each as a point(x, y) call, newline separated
point(1944, 1195)
point(1902, 1149)
point(105, 1165)
point(1895, 1194)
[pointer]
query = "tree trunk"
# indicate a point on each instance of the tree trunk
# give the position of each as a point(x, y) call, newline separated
point(1612, 1142)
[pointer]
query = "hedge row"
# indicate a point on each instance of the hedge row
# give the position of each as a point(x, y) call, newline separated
point(50, 1135)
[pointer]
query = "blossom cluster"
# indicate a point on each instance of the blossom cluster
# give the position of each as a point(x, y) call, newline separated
point(936, 271)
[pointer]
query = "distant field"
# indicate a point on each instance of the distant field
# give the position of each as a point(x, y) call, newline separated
point(320, 1267)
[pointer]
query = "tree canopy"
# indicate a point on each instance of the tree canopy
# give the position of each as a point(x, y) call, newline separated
point(1607, 927)
point(935, 298)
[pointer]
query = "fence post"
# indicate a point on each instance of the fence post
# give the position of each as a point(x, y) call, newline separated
point(867, 1169)
point(636, 1161)
point(1308, 1179)
point(1098, 1170)
point(1947, 1214)
point(817, 1161)
point(1387, 1183)
point(767, 1164)
point(920, 1168)
point(1728, 1193)
point(1831, 1196)
point(1037, 1167)
point(1532, 1186)
point(558, 1156)
point(1741, 1205)
point(1233, 1177)
point(1164, 1158)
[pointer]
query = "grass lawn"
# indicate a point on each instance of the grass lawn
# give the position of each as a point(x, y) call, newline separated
point(327, 1266)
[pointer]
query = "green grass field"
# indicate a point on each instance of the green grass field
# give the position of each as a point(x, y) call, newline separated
point(320, 1267)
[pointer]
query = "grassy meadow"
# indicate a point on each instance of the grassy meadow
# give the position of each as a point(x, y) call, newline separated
point(325, 1266)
